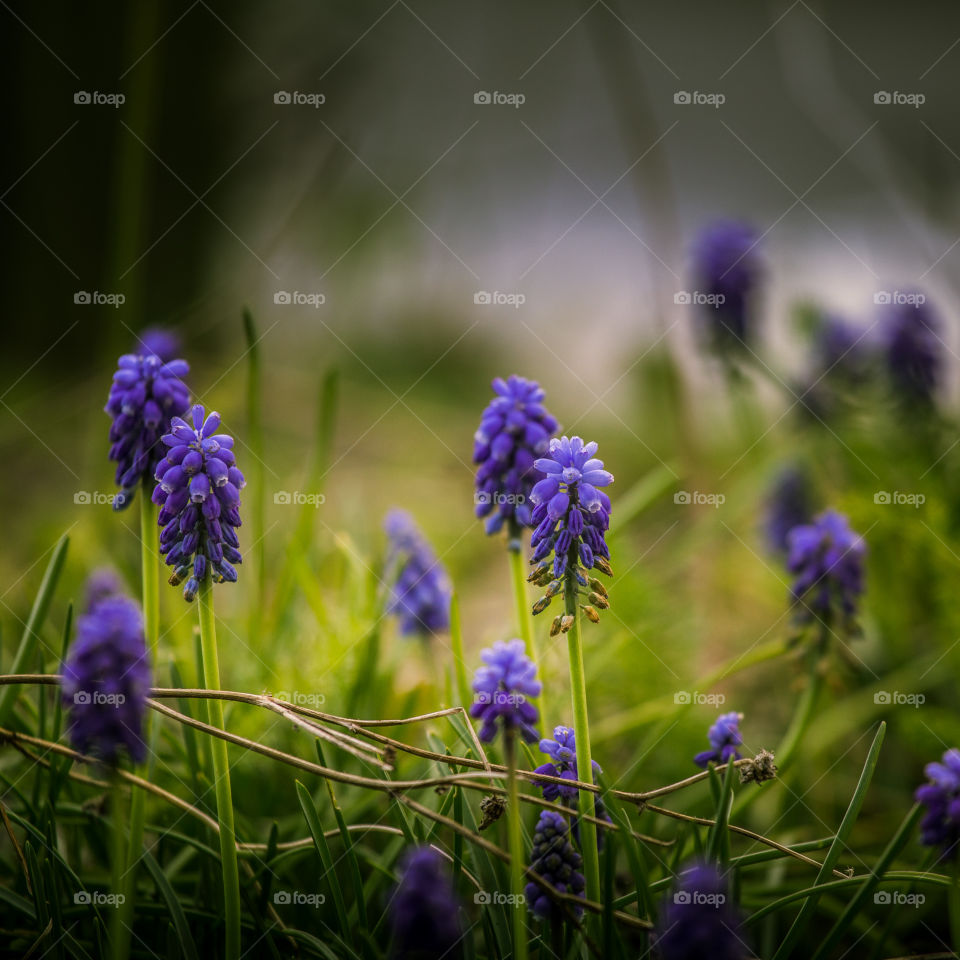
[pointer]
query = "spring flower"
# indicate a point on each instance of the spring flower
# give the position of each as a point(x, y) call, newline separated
point(555, 859)
point(699, 920)
point(102, 583)
point(727, 268)
point(162, 342)
point(503, 690)
point(941, 825)
point(572, 516)
point(106, 681)
point(198, 489)
point(913, 349)
point(789, 505)
point(145, 395)
point(827, 558)
point(424, 910)
point(514, 430)
point(420, 595)
point(724, 737)
point(562, 750)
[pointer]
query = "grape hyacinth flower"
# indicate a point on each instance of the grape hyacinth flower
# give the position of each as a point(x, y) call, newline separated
point(789, 505)
point(726, 269)
point(514, 430)
point(562, 750)
point(162, 342)
point(699, 920)
point(146, 394)
point(106, 681)
point(827, 558)
point(940, 826)
point(504, 688)
point(913, 349)
point(102, 583)
point(424, 909)
point(724, 737)
point(555, 859)
point(572, 516)
point(420, 595)
point(198, 490)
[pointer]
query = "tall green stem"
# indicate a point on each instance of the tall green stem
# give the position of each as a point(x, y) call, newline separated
point(515, 843)
point(581, 728)
point(525, 621)
point(119, 934)
point(221, 772)
point(150, 571)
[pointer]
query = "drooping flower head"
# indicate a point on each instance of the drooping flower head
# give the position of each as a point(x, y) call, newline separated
point(827, 558)
point(145, 395)
point(913, 349)
point(789, 505)
point(555, 859)
point(572, 515)
point(724, 737)
point(162, 342)
point(727, 268)
point(420, 595)
point(198, 489)
point(941, 825)
point(514, 430)
point(102, 583)
point(504, 687)
point(424, 910)
point(106, 681)
point(699, 920)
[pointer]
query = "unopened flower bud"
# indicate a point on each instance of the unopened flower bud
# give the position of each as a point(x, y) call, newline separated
point(598, 587)
point(556, 626)
point(541, 605)
point(566, 623)
point(554, 587)
point(590, 613)
point(602, 602)
point(603, 565)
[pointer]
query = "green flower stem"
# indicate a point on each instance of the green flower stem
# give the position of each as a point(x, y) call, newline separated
point(525, 622)
point(581, 729)
point(119, 933)
point(150, 571)
point(221, 772)
point(515, 844)
point(953, 899)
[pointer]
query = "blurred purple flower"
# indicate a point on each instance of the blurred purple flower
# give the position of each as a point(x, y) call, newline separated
point(724, 737)
point(789, 505)
point(102, 583)
point(424, 910)
point(913, 349)
point(940, 826)
point(420, 594)
point(504, 688)
point(162, 342)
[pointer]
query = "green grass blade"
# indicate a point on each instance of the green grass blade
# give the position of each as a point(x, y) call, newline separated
point(256, 491)
point(187, 945)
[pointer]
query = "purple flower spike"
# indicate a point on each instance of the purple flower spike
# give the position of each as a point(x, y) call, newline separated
point(106, 681)
point(827, 558)
point(727, 268)
point(145, 395)
point(555, 859)
point(198, 489)
point(162, 342)
point(424, 910)
point(724, 737)
point(514, 430)
point(562, 750)
point(102, 583)
point(420, 597)
point(941, 825)
point(699, 920)
point(913, 348)
point(503, 690)
point(789, 505)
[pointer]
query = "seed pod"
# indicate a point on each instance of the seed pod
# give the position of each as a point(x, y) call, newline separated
point(554, 587)
point(534, 574)
point(602, 602)
point(603, 565)
point(590, 613)
point(541, 605)
point(556, 625)
point(598, 587)
point(566, 623)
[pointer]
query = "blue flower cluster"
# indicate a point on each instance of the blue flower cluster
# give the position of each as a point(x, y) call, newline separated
point(504, 688)
point(789, 505)
point(420, 591)
point(562, 750)
point(555, 859)
point(106, 681)
point(913, 349)
point(514, 430)
point(940, 826)
point(146, 394)
point(198, 489)
point(827, 558)
point(724, 737)
point(424, 909)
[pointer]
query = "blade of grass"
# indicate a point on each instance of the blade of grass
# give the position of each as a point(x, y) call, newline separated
point(184, 935)
point(256, 491)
